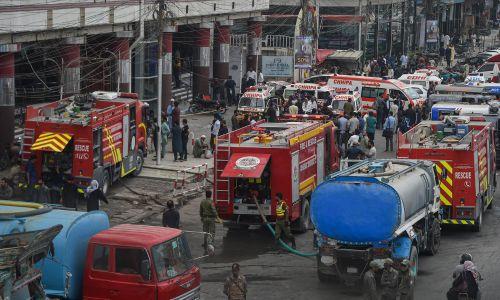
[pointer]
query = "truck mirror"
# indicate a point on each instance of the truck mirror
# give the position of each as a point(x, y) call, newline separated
point(444, 175)
point(145, 270)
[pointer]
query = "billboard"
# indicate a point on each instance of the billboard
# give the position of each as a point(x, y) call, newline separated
point(432, 31)
point(277, 66)
point(303, 52)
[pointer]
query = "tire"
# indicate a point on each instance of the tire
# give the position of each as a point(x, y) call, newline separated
point(478, 222)
point(139, 162)
point(304, 222)
point(434, 240)
point(414, 263)
point(325, 278)
point(490, 206)
point(106, 183)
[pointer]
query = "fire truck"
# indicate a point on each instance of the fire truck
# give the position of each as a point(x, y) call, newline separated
point(291, 156)
point(98, 136)
point(464, 153)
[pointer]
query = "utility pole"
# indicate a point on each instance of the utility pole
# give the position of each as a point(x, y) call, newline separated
point(375, 39)
point(161, 15)
point(414, 3)
point(360, 26)
point(403, 25)
point(389, 32)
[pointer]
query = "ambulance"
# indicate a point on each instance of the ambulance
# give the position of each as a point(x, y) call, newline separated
point(337, 106)
point(321, 92)
point(429, 72)
point(420, 79)
point(372, 87)
point(256, 99)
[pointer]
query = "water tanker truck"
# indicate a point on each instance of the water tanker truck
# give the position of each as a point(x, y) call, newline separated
point(92, 261)
point(375, 210)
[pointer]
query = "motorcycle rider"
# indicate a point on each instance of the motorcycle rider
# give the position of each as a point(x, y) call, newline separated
point(465, 280)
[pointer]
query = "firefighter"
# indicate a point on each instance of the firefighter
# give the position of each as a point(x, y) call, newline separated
point(235, 287)
point(208, 216)
point(389, 281)
point(282, 220)
point(370, 283)
point(405, 281)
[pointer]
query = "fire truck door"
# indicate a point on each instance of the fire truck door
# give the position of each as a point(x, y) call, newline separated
point(295, 176)
point(129, 140)
point(320, 161)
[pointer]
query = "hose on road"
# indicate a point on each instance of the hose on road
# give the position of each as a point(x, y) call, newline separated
point(282, 244)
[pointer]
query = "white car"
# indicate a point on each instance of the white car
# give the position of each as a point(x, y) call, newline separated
point(421, 91)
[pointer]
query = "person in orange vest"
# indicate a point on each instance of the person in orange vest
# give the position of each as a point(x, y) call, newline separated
point(283, 220)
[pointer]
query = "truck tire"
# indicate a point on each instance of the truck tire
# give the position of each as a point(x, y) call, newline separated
point(304, 221)
point(325, 278)
point(414, 263)
point(139, 163)
point(434, 240)
point(478, 222)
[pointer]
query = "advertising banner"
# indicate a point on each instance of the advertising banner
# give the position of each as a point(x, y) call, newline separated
point(432, 31)
point(277, 66)
point(303, 52)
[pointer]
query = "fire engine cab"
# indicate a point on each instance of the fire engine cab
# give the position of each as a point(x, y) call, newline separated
point(464, 153)
point(291, 156)
point(99, 136)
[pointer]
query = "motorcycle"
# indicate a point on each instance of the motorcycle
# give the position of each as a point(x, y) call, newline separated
point(202, 104)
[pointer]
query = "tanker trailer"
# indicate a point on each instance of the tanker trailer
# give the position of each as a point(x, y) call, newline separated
point(62, 272)
point(375, 210)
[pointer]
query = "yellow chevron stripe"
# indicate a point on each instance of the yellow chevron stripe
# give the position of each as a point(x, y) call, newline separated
point(54, 148)
point(448, 178)
point(444, 201)
point(454, 222)
point(447, 166)
point(446, 189)
point(111, 144)
point(458, 222)
point(54, 141)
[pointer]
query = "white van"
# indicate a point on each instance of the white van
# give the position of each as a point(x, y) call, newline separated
point(337, 106)
point(488, 70)
point(420, 79)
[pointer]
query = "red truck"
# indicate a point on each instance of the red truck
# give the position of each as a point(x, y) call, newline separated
point(290, 156)
point(464, 153)
point(140, 262)
point(99, 136)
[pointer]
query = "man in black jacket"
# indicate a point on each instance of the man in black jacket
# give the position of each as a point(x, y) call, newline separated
point(171, 216)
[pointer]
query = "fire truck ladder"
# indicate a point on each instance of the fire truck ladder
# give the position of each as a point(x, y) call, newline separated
point(223, 154)
point(28, 137)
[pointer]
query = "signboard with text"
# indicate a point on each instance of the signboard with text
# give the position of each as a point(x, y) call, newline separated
point(303, 52)
point(277, 66)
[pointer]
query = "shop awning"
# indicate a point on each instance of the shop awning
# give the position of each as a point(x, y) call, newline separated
point(50, 141)
point(246, 165)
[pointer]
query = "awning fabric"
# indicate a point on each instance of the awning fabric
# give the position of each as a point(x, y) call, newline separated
point(322, 54)
point(246, 165)
point(50, 141)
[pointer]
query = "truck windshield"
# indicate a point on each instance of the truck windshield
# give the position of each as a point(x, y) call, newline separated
point(338, 104)
point(251, 102)
point(172, 258)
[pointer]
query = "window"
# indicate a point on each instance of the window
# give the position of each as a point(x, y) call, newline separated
point(252, 102)
point(100, 260)
point(129, 260)
point(368, 92)
point(486, 68)
point(172, 258)
point(323, 95)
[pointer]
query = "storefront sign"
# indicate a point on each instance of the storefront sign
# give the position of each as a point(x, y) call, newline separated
point(277, 66)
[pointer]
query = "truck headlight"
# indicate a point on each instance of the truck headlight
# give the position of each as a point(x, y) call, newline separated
point(328, 260)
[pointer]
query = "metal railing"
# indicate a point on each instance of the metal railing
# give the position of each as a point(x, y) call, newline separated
point(279, 41)
point(184, 185)
point(240, 40)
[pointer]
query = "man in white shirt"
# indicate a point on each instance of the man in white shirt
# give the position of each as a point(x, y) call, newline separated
point(372, 151)
point(404, 61)
point(214, 131)
point(261, 78)
point(252, 74)
point(353, 139)
point(353, 124)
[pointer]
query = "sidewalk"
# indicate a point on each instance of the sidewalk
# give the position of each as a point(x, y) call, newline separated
point(168, 169)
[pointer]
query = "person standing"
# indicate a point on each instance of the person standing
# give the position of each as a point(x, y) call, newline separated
point(214, 131)
point(348, 107)
point(293, 109)
point(185, 139)
point(379, 108)
point(271, 113)
point(235, 123)
point(370, 283)
point(405, 281)
point(94, 195)
point(223, 128)
point(282, 220)
point(6, 191)
point(447, 54)
point(170, 217)
point(353, 125)
point(230, 86)
point(371, 124)
point(170, 111)
point(208, 215)
point(260, 78)
point(343, 137)
point(389, 128)
point(176, 140)
point(389, 281)
point(235, 287)
point(176, 113)
point(165, 132)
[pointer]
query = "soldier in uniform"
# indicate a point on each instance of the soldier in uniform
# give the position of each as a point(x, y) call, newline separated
point(405, 281)
point(389, 281)
point(283, 220)
point(235, 287)
point(370, 283)
point(208, 215)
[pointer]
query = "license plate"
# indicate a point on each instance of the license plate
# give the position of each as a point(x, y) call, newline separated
point(351, 270)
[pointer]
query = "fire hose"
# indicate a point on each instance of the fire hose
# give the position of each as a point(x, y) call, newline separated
point(282, 244)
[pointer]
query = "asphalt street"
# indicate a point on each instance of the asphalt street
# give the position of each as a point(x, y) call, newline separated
point(274, 274)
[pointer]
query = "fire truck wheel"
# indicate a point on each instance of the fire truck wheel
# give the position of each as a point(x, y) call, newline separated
point(434, 238)
point(304, 221)
point(414, 264)
point(325, 278)
point(105, 183)
point(479, 222)
point(139, 163)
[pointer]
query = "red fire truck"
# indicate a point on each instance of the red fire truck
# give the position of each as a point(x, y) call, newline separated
point(99, 136)
point(291, 156)
point(464, 153)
